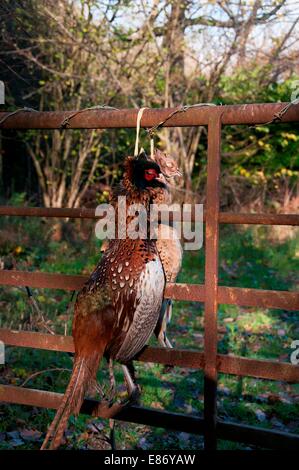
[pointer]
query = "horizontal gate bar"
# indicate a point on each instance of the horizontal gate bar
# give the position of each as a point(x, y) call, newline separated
point(258, 219)
point(257, 436)
point(226, 364)
point(189, 292)
point(135, 414)
point(158, 418)
point(125, 118)
point(83, 213)
point(41, 280)
point(258, 368)
point(258, 298)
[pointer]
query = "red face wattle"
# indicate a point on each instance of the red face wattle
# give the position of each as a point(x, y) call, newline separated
point(150, 174)
point(147, 174)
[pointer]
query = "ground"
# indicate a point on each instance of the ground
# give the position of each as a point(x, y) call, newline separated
point(249, 257)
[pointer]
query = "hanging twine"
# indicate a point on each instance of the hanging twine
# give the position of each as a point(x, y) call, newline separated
point(152, 130)
point(152, 147)
point(139, 117)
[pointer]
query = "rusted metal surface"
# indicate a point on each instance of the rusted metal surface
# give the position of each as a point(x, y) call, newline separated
point(126, 118)
point(258, 219)
point(32, 339)
point(259, 298)
point(135, 414)
point(224, 217)
point(211, 281)
point(226, 364)
point(67, 282)
point(158, 418)
point(29, 339)
point(41, 280)
point(263, 369)
point(48, 212)
point(174, 357)
point(211, 293)
point(189, 292)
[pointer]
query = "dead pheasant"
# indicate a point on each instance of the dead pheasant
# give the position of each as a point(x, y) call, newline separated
point(118, 308)
point(171, 254)
point(168, 243)
point(169, 248)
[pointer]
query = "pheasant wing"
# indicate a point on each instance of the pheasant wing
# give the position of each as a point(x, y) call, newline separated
point(146, 298)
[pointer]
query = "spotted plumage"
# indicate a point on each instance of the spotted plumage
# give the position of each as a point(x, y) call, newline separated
point(128, 285)
point(118, 308)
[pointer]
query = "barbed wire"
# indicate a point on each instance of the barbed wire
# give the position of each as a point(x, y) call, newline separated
point(183, 108)
point(65, 123)
point(278, 116)
point(19, 110)
point(180, 109)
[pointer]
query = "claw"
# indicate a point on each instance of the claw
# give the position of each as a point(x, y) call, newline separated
point(95, 388)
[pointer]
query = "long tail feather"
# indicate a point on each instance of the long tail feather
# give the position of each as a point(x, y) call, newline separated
point(71, 403)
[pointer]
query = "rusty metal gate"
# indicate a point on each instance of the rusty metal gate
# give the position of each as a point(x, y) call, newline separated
point(211, 293)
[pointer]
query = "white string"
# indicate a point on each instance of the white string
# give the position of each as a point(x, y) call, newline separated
point(152, 147)
point(139, 117)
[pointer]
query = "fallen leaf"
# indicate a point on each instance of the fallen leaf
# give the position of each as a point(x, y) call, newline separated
point(277, 423)
point(143, 444)
point(30, 435)
point(13, 434)
point(273, 398)
point(16, 442)
point(281, 332)
point(157, 405)
point(261, 416)
point(224, 390)
point(184, 436)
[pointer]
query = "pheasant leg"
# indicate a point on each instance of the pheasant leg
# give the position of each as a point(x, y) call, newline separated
point(112, 389)
point(161, 327)
point(133, 388)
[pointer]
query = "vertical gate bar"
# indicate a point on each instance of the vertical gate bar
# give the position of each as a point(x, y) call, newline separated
point(211, 281)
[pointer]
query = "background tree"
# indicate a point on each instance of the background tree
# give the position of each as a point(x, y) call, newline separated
point(153, 53)
point(63, 75)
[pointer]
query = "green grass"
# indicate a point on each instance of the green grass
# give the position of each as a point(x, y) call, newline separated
point(248, 258)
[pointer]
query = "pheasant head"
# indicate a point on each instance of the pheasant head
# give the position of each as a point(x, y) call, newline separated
point(142, 174)
point(167, 164)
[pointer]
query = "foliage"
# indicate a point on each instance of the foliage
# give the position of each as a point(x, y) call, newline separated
point(69, 55)
point(155, 54)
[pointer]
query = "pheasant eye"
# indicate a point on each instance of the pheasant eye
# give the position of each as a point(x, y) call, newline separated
point(150, 174)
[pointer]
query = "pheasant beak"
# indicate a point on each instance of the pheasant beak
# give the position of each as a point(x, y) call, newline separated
point(161, 178)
